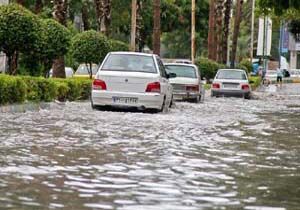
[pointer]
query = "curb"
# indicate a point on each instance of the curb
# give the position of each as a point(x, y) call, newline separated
point(19, 108)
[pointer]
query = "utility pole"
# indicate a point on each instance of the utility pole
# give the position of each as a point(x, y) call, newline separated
point(133, 25)
point(252, 30)
point(193, 39)
point(156, 27)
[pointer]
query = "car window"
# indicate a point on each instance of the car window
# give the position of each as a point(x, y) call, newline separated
point(83, 69)
point(227, 74)
point(182, 71)
point(161, 67)
point(126, 62)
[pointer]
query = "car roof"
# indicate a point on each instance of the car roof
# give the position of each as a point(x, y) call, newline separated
point(180, 64)
point(131, 53)
point(231, 70)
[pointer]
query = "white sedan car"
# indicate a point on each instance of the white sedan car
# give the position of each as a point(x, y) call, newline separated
point(231, 82)
point(128, 79)
point(187, 85)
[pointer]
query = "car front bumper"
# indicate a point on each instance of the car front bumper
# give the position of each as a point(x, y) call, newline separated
point(144, 100)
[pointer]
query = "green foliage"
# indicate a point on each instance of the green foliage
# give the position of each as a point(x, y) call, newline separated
point(19, 89)
point(55, 39)
point(116, 45)
point(89, 47)
point(12, 90)
point(279, 6)
point(247, 64)
point(19, 29)
point(208, 68)
point(39, 89)
point(256, 81)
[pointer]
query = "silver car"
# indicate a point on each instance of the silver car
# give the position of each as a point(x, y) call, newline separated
point(187, 85)
point(231, 82)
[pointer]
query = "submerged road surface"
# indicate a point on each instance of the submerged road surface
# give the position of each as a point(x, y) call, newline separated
point(227, 153)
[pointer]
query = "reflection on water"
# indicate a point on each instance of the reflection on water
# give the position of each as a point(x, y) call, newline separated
point(223, 154)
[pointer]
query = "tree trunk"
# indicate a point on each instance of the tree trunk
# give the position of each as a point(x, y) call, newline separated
point(156, 27)
point(60, 14)
point(12, 60)
point(236, 30)
point(211, 31)
point(58, 68)
point(227, 13)
point(21, 2)
point(38, 6)
point(139, 26)
point(219, 28)
point(103, 13)
point(85, 17)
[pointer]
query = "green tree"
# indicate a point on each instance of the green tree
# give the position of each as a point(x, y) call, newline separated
point(55, 42)
point(116, 45)
point(19, 32)
point(89, 47)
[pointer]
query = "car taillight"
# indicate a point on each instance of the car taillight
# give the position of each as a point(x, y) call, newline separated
point(245, 87)
point(216, 85)
point(99, 84)
point(192, 88)
point(153, 87)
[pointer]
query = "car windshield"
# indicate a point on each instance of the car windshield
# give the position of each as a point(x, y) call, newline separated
point(182, 71)
point(83, 69)
point(134, 63)
point(228, 74)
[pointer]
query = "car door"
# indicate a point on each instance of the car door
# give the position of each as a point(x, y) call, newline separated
point(166, 86)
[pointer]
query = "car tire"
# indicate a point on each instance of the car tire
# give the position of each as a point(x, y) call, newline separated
point(247, 96)
point(164, 108)
point(213, 94)
point(172, 102)
point(196, 100)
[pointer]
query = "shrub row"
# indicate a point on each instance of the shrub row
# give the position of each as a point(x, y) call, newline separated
point(209, 68)
point(21, 89)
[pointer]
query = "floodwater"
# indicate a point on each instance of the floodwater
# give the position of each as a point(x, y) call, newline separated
point(226, 153)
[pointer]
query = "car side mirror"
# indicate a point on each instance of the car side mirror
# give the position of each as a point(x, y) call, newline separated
point(171, 75)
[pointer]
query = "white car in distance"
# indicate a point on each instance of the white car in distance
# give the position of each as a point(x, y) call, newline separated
point(231, 82)
point(128, 79)
point(187, 85)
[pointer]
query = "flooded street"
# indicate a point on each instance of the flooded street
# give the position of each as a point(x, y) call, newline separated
point(226, 153)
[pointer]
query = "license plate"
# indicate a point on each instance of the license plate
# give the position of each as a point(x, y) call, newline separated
point(230, 86)
point(124, 100)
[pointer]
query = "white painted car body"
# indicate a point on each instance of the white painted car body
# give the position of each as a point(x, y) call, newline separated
point(238, 85)
point(127, 88)
point(186, 87)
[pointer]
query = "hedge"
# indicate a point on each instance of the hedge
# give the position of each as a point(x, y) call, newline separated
point(20, 89)
point(208, 67)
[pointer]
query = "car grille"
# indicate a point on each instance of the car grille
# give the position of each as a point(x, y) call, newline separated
point(178, 87)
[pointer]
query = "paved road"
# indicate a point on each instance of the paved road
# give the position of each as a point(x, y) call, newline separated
point(227, 153)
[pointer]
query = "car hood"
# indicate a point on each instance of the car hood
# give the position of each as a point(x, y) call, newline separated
point(184, 80)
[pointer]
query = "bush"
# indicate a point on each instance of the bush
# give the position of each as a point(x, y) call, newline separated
point(39, 89)
point(247, 64)
point(89, 47)
point(19, 89)
point(12, 90)
point(19, 31)
point(116, 45)
point(208, 68)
